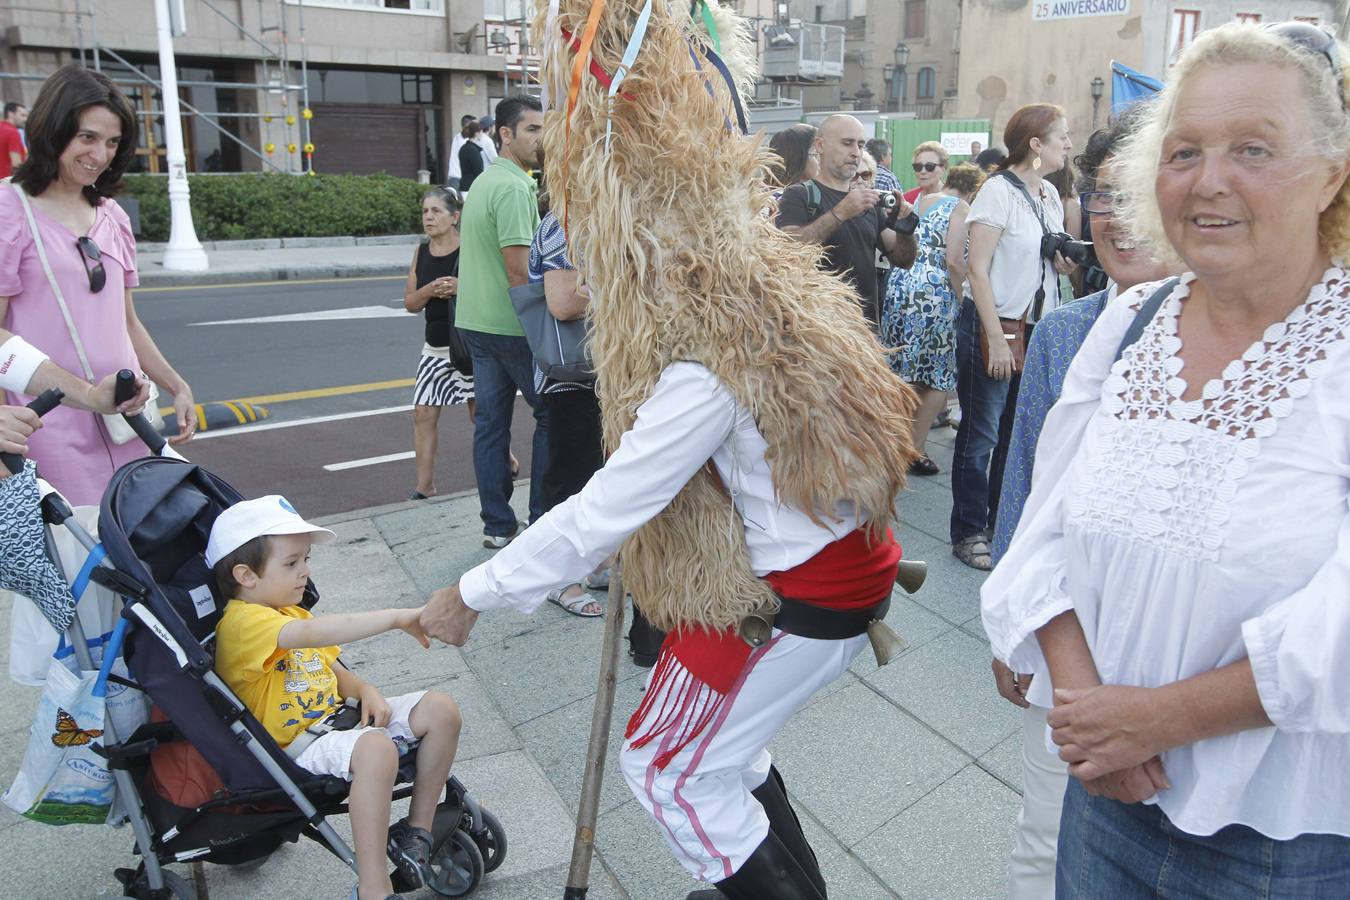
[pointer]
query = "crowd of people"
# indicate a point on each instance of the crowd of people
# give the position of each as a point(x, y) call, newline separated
point(1152, 456)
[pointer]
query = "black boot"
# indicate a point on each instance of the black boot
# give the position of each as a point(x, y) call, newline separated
point(771, 873)
point(644, 640)
point(783, 821)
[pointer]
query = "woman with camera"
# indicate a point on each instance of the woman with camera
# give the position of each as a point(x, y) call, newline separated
point(1016, 232)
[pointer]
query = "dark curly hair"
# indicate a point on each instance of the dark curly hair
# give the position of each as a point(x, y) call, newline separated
point(54, 120)
point(1105, 141)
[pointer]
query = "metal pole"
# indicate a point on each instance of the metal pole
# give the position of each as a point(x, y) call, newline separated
point(79, 28)
point(184, 252)
point(588, 809)
point(93, 35)
point(524, 51)
point(304, 83)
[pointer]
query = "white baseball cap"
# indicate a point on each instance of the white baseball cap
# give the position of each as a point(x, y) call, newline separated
point(249, 519)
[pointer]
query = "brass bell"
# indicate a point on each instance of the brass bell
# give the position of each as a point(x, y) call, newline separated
point(886, 644)
point(911, 574)
point(757, 628)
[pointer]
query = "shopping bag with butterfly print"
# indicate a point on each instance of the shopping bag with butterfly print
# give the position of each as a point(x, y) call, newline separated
point(62, 780)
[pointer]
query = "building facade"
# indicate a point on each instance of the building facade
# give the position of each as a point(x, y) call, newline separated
point(1015, 52)
point(385, 82)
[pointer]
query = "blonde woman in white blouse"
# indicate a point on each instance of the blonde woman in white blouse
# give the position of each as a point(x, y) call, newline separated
point(1182, 568)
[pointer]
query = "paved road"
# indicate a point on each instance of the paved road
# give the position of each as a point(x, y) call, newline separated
point(329, 360)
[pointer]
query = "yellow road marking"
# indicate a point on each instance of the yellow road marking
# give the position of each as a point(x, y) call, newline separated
point(313, 393)
point(244, 284)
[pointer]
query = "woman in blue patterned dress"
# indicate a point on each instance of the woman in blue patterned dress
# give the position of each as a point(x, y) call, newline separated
point(922, 302)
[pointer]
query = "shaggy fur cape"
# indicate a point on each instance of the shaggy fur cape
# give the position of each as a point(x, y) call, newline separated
point(669, 228)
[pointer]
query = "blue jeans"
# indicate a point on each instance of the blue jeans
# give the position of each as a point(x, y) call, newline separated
point(982, 399)
point(1132, 852)
point(501, 366)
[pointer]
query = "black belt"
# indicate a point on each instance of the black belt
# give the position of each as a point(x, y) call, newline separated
point(823, 624)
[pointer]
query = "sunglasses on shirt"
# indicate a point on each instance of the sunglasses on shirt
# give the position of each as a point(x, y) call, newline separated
point(89, 252)
point(1314, 40)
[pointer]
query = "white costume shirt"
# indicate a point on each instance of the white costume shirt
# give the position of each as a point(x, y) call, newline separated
point(690, 418)
point(459, 141)
point(484, 140)
point(1187, 535)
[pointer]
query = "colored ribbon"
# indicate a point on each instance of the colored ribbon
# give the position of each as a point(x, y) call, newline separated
point(629, 57)
point(708, 22)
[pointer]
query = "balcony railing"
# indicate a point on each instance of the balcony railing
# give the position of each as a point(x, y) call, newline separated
point(803, 51)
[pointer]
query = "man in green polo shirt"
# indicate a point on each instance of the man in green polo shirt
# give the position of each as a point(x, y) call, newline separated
point(500, 217)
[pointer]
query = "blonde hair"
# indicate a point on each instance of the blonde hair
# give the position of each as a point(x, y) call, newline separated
point(665, 216)
point(1140, 154)
point(931, 147)
point(869, 163)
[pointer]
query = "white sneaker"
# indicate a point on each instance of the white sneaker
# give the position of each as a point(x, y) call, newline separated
point(498, 541)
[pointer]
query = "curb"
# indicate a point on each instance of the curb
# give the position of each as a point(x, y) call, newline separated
point(377, 240)
point(161, 278)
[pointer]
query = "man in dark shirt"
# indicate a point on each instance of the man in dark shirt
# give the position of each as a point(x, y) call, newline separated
point(850, 224)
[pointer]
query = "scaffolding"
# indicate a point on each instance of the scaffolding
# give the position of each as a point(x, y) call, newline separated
point(277, 110)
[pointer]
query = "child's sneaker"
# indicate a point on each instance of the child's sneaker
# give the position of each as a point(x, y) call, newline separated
point(410, 851)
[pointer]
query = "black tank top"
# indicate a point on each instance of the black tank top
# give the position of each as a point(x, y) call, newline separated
point(429, 268)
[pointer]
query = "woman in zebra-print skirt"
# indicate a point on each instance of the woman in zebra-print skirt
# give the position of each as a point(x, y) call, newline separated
point(444, 372)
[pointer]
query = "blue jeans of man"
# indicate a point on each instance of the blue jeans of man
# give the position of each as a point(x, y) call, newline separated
point(502, 365)
point(982, 401)
point(1131, 851)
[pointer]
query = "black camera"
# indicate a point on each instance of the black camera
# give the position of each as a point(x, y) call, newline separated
point(887, 200)
point(1058, 242)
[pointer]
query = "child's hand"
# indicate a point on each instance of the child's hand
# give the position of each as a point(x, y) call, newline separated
point(374, 710)
point(409, 620)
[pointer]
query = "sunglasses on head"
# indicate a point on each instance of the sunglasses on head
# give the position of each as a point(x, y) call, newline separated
point(926, 167)
point(89, 252)
point(1314, 40)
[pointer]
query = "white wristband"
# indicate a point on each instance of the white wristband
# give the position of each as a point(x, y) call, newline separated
point(18, 361)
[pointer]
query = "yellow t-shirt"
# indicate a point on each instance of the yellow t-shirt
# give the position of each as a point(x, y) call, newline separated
point(287, 690)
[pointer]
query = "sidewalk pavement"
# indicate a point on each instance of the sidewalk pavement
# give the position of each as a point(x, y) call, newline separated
point(283, 259)
point(906, 778)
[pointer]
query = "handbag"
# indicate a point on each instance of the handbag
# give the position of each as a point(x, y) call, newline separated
point(560, 349)
point(119, 432)
point(460, 357)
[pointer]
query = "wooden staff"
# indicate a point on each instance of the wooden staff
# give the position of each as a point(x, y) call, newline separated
point(583, 845)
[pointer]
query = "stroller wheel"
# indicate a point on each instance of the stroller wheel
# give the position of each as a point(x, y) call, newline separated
point(456, 866)
point(491, 841)
point(135, 883)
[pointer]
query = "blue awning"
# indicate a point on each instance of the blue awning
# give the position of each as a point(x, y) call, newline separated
point(1127, 86)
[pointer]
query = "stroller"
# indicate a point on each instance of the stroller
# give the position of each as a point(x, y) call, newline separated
point(154, 522)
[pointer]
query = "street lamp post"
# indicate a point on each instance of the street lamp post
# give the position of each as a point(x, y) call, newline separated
point(1098, 87)
point(184, 252)
point(901, 60)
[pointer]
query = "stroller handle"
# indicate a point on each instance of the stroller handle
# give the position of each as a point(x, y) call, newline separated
point(123, 390)
point(42, 404)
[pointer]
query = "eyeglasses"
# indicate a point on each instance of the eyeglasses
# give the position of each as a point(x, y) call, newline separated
point(89, 251)
point(1314, 40)
point(865, 176)
point(1100, 203)
point(926, 167)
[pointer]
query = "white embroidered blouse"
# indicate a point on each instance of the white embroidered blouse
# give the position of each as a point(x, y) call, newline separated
point(1187, 535)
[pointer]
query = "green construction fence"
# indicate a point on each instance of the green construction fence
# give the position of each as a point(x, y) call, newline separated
point(906, 134)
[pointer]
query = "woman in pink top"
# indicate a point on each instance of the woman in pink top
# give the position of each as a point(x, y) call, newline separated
point(82, 137)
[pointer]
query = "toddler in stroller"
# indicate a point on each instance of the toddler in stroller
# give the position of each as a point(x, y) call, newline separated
point(283, 663)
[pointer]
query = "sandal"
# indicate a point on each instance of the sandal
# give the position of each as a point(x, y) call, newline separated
point(974, 552)
point(924, 465)
point(574, 605)
point(409, 850)
point(597, 581)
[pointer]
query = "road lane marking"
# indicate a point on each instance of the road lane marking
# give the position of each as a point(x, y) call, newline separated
point(315, 420)
point(315, 393)
point(318, 315)
point(369, 461)
point(250, 284)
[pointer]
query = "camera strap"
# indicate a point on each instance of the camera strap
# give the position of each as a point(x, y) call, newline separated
point(1037, 301)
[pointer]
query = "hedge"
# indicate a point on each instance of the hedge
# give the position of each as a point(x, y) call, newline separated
point(247, 206)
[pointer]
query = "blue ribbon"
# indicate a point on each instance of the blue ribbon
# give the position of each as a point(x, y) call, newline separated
point(726, 76)
point(629, 57)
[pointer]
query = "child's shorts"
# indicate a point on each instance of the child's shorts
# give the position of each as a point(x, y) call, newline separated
point(331, 754)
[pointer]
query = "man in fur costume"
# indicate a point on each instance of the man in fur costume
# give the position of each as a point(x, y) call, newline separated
point(758, 437)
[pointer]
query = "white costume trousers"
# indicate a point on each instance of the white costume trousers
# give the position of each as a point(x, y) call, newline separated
point(1031, 870)
point(701, 801)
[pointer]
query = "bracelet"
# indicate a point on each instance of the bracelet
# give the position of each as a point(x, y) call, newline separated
point(19, 360)
point(836, 216)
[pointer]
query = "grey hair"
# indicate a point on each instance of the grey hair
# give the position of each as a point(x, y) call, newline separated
point(449, 199)
point(1140, 155)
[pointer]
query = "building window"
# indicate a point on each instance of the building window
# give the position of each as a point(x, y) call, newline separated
point(925, 85)
point(820, 11)
point(1249, 18)
point(370, 86)
point(502, 10)
point(1185, 26)
point(916, 18)
point(1311, 20)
